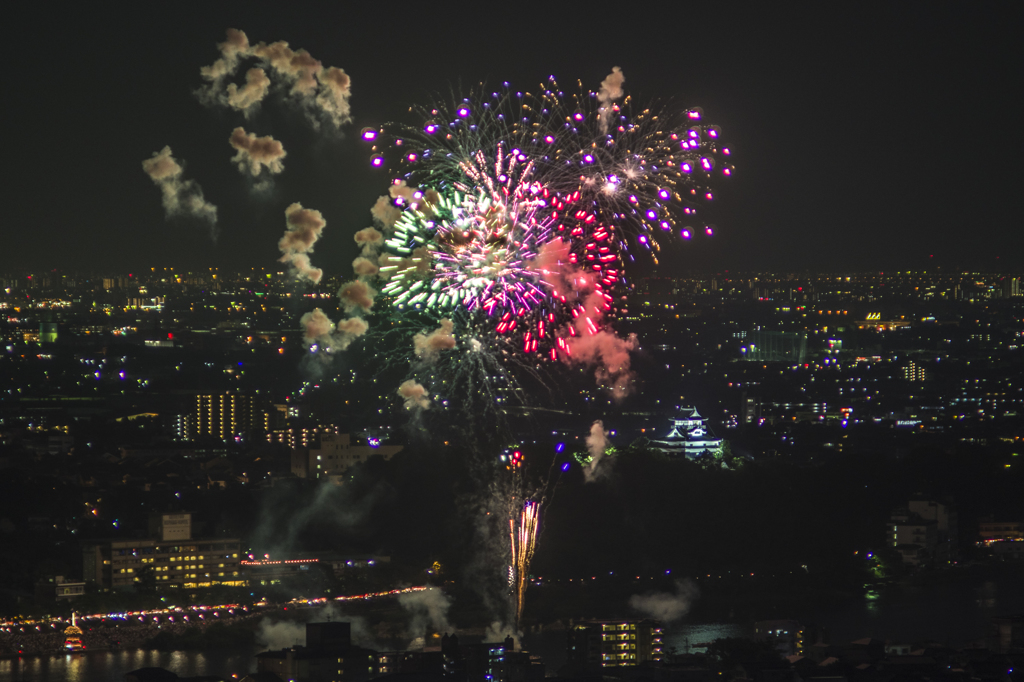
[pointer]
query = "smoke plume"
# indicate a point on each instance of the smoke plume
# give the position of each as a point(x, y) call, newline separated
point(555, 268)
point(364, 267)
point(610, 354)
point(664, 606)
point(256, 153)
point(333, 97)
point(356, 296)
point(285, 514)
point(316, 326)
point(304, 226)
point(497, 631)
point(318, 329)
point(426, 608)
point(385, 212)
point(280, 635)
point(611, 90)
point(323, 93)
point(428, 346)
point(181, 197)
point(235, 46)
point(248, 97)
point(348, 331)
point(597, 443)
point(414, 394)
point(285, 634)
point(588, 343)
point(408, 196)
point(368, 237)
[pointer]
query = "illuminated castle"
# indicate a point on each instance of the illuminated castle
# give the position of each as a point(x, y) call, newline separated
point(689, 436)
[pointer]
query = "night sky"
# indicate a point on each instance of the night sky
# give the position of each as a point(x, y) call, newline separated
point(865, 137)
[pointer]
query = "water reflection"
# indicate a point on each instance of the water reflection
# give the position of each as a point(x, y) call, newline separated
point(112, 665)
point(871, 601)
point(696, 637)
point(986, 598)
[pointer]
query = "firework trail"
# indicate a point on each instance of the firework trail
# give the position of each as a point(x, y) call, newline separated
point(523, 540)
point(521, 494)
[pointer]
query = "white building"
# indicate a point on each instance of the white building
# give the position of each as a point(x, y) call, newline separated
point(336, 454)
point(688, 435)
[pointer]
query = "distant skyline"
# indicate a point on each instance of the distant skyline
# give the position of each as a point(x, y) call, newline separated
point(865, 138)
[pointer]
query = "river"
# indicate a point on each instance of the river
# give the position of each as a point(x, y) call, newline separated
point(954, 608)
point(97, 666)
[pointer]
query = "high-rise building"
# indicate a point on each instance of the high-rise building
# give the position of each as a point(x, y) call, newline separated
point(229, 416)
point(750, 409)
point(170, 558)
point(597, 644)
point(787, 635)
point(336, 454)
point(914, 371)
point(947, 547)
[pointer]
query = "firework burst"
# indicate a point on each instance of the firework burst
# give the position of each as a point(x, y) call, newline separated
point(511, 224)
point(524, 210)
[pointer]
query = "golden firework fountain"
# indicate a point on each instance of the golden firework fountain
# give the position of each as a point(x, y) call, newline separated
point(73, 636)
point(523, 537)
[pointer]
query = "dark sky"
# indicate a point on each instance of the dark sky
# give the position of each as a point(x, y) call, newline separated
point(865, 136)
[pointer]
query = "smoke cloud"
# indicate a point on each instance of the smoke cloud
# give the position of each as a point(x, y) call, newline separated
point(297, 68)
point(426, 608)
point(368, 237)
point(280, 635)
point(611, 90)
point(248, 97)
point(333, 97)
point(285, 634)
point(285, 513)
point(414, 394)
point(304, 226)
point(400, 190)
point(663, 606)
point(429, 346)
point(553, 264)
point(597, 443)
point(356, 296)
point(385, 212)
point(498, 631)
point(323, 93)
point(348, 331)
point(316, 325)
point(318, 329)
point(364, 267)
point(587, 343)
point(181, 197)
point(235, 46)
point(611, 355)
point(256, 153)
